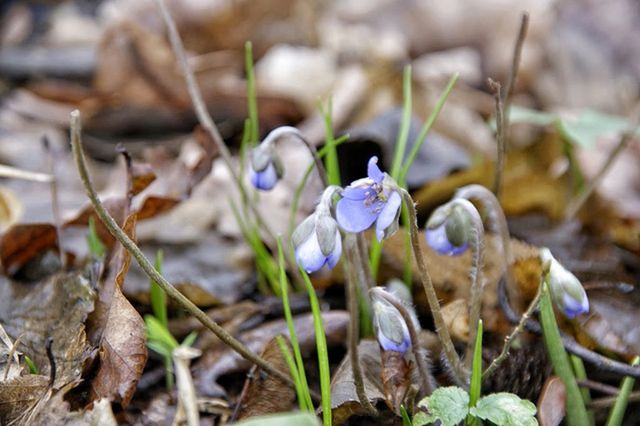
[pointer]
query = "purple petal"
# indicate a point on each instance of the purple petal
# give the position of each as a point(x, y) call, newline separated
point(354, 216)
point(334, 257)
point(373, 171)
point(388, 214)
point(264, 180)
point(438, 241)
point(355, 192)
point(572, 307)
point(309, 256)
point(390, 345)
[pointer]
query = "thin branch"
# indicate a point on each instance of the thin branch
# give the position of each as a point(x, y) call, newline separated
point(508, 341)
point(600, 387)
point(500, 138)
point(609, 401)
point(600, 362)
point(147, 267)
point(515, 65)
point(460, 373)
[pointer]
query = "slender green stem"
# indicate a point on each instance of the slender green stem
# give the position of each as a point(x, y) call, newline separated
point(617, 412)
point(508, 341)
point(475, 388)
point(147, 267)
point(581, 375)
point(323, 353)
point(354, 323)
point(333, 167)
point(288, 358)
point(427, 382)
point(432, 298)
point(252, 103)
point(405, 125)
point(366, 283)
point(576, 412)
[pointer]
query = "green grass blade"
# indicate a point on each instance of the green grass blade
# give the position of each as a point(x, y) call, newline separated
point(427, 127)
point(286, 354)
point(475, 387)
point(405, 124)
point(331, 159)
point(406, 420)
point(158, 296)
point(616, 415)
point(323, 353)
point(293, 337)
point(576, 411)
point(158, 332)
point(32, 367)
point(190, 339)
point(252, 102)
point(96, 247)
point(581, 374)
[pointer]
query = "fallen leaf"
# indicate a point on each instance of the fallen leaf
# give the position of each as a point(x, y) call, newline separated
point(266, 394)
point(551, 404)
point(18, 397)
point(22, 244)
point(56, 308)
point(120, 333)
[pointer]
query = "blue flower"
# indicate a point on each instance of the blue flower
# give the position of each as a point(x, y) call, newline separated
point(266, 168)
point(448, 229)
point(566, 290)
point(368, 200)
point(438, 241)
point(317, 240)
point(391, 330)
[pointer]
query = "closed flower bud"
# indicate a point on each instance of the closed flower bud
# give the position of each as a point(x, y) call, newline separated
point(448, 230)
point(266, 168)
point(391, 330)
point(566, 290)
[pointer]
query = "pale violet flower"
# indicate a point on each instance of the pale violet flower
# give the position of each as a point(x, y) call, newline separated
point(447, 231)
point(368, 200)
point(566, 290)
point(266, 168)
point(391, 331)
point(317, 240)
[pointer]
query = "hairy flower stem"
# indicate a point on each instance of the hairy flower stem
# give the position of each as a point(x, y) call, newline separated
point(277, 133)
point(498, 222)
point(365, 279)
point(147, 267)
point(508, 341)
point(354, 323)
point(427, 382)
point(477, 282)
point(210, 127)
point(461, 375)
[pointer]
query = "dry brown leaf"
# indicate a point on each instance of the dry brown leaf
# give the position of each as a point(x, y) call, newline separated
point(18, 397)
point(266, 394)
point(122, 341)
point(551, 405)
point(23, 243)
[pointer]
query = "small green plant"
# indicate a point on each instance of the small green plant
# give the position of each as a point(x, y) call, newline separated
point(32, 367)
point(97, 249)
point(159, 338)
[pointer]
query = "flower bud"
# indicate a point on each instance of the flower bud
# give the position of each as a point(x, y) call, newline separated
point(391, 330)
point(266, 168)
point(448, 230)
point(566, 290)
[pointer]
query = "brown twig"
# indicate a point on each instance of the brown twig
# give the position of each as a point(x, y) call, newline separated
point(500, 137)
point(600, 387)
point(608, 401)
point(459, 372)
point(515, 65)
point(600, 362)
point(147, 267)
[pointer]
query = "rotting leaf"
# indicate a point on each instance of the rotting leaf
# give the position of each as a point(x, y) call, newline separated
point(19, 396)
point(122, 341)
point(22, 244)
point(216, 363)
point(266, 394)
point(344, 399)
point(55, 308)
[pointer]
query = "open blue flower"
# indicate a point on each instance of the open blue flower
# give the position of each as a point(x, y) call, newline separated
point(368, 200)
point(317, 240)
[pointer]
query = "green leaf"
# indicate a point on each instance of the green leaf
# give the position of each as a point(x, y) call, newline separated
point(190, 339)
point(157, 294)
point(406, 420)
point(589, 125)
point(519, 114)
point(505, 409)
point(448, 404)
point(157, 332)
point(284, 419)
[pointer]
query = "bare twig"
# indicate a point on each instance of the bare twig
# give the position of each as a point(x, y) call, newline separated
point(508, 341)
point(55, 199)
point(608, 401)
point(460, 373)
point(600, 362)
point(148, 268)
point(600, 387)
point(354, 324)
point(500, 138)
point(515, 65)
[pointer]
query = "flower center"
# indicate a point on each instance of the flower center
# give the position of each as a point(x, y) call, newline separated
point(375, 197)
